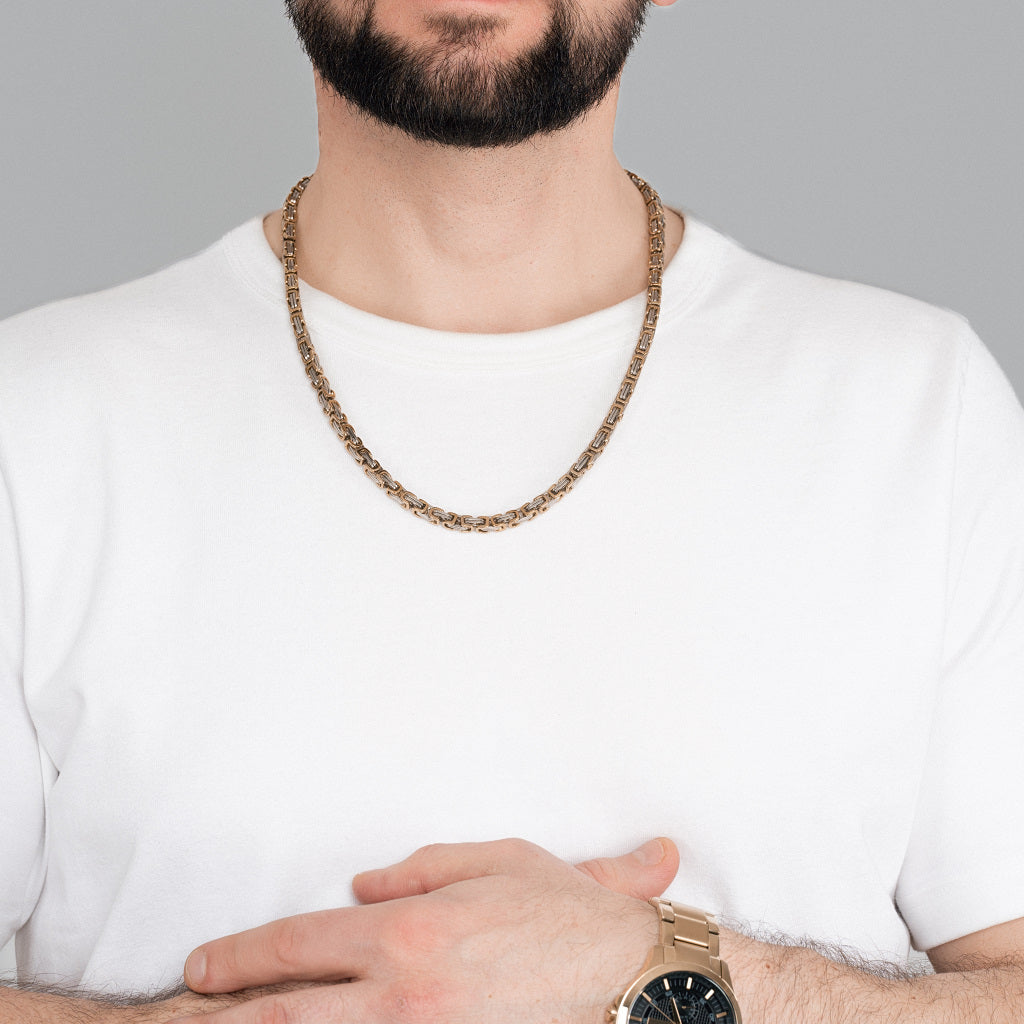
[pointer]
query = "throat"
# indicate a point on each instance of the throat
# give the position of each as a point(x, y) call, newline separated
point(500, 289)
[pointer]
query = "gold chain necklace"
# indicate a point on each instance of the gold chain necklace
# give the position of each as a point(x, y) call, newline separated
point(382, 478)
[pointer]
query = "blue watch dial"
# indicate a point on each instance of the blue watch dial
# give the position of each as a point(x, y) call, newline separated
point(682, 997)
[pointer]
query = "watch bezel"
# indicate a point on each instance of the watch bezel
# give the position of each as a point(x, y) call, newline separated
point(663, 970)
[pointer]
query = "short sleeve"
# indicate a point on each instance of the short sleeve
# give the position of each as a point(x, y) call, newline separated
point(21, 785)
point(964, 866)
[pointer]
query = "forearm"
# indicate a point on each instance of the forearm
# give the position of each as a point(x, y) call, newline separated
point(792, 985)
point(23, 1007)
point(37, 1006)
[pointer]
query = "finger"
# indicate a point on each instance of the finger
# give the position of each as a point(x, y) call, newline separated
point(305, 1006)
point(647, 871)
point(323, 946)
point(433, 867)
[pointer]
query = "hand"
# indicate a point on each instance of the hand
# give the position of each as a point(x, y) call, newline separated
point(483, 932)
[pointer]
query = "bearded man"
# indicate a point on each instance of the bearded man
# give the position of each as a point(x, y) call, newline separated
point(780, 621)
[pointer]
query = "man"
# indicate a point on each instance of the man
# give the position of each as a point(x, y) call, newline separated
point(780, 621)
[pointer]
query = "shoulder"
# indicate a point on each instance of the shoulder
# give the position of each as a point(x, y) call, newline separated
point(804, 330)
point(87, 335)
point(810, 303)
point(84, 374)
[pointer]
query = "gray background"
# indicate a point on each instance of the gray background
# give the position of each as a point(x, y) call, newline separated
point(879, 141)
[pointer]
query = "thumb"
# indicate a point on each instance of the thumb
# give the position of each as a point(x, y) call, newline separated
point(647, 871)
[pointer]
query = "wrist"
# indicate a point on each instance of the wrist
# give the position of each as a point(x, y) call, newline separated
point(637, 935)
point(685, 973)
point(777, 984)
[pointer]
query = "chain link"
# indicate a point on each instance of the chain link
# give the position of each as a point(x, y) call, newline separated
point(381, 477)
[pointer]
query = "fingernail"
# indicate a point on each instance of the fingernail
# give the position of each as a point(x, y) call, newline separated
point(195, 968)
point(651, 853)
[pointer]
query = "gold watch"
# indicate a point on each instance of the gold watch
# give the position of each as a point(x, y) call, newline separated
point(684, 981)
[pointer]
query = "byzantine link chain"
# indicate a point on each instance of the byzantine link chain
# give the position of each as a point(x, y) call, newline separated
point(381, 477)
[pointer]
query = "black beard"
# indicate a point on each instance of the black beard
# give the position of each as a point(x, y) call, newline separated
point(438, 94)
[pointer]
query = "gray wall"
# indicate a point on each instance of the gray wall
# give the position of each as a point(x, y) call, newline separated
point(878, 140)
point(881, 141)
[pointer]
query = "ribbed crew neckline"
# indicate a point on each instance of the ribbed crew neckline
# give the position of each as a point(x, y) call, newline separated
point(338, 326)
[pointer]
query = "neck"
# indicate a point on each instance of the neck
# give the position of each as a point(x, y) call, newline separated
point(482, 240)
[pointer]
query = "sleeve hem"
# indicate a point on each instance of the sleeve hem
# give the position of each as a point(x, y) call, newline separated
point(957, 908)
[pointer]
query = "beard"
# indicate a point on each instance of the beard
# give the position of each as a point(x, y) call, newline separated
point(448, 90)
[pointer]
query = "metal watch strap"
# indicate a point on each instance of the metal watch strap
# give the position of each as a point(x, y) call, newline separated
point(686, 934)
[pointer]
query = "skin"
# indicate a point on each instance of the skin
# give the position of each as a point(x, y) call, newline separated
point(450, 934)
point(620, 882)
point(472, 240)
point(493, 932)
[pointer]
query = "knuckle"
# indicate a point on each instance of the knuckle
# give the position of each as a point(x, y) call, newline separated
point(516, 847)
point(419, 1001)
point(426, 857)
point(429, 852)
point(414, 931)
point(601, 869)
point(516, 852)
point(274, 1011)
point(422, 866)
point(287, 943)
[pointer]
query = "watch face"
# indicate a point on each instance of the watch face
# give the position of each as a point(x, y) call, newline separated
point(682, 997)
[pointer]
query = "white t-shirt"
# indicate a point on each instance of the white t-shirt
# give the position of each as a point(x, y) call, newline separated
point(780, 621)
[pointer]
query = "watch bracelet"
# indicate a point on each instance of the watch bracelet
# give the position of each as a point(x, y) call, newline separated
point(686, 934)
